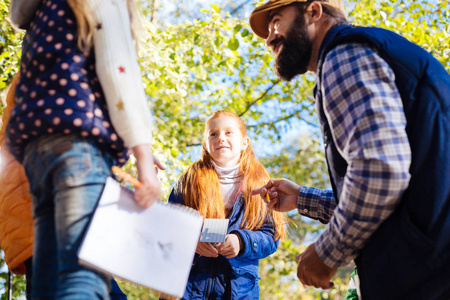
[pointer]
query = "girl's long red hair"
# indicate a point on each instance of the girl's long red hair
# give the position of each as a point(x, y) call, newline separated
point(200, 187)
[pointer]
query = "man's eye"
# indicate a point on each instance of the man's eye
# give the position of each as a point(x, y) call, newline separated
point(276, 24)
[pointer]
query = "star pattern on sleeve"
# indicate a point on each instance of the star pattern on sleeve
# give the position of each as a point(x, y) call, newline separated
point(121, 69)
point(119, 105)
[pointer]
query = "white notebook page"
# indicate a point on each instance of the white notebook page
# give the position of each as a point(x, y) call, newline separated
point(152, 247)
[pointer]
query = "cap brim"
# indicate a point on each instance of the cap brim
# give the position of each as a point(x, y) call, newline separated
point(259, 18)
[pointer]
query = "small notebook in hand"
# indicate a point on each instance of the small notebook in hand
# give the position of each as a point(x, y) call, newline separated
point(152, 247)
point(214, 231)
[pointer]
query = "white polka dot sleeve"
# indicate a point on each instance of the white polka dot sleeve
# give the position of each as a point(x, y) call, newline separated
point(119, 73)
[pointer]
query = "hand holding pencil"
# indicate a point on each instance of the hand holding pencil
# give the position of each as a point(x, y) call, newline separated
point(279, 194)
point(125, 176)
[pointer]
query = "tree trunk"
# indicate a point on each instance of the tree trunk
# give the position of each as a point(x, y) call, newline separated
point(155, 8)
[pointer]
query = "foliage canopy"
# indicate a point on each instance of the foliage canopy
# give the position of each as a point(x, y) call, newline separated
point(213, 62)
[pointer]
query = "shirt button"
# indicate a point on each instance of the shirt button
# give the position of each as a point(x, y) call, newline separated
point(305, 210)
point(255, 245)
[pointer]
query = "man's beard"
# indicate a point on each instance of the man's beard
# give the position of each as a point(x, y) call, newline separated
point(295, 53)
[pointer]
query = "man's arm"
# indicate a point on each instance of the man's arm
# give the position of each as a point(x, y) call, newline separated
point(367, 121)
point(285, 195)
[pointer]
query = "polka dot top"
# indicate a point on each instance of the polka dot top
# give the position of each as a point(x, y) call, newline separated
point(59, 91)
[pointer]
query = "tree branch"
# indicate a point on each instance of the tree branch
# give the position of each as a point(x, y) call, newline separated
point(285, 118)
point(154, 16)
point(234, 11)
point(249, 105)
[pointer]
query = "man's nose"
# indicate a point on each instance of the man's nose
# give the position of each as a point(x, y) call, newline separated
point(273, 33)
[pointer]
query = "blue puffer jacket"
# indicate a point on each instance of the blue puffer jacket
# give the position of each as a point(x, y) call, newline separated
point(235, 278)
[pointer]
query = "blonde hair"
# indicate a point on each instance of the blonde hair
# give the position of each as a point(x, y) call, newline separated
point(200, 189)
point(86, 24)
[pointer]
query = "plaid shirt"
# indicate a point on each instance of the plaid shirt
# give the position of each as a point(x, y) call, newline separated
point(365, 113)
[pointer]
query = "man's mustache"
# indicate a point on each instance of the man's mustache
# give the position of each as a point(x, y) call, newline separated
point(275, 42)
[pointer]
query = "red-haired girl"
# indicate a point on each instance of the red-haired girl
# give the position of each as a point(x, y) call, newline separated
point(219, 185)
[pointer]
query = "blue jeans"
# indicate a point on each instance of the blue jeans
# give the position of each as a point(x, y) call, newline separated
point(66, 175)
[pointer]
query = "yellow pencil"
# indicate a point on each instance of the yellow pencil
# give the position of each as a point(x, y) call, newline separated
point(267, 193)
point(125, 176)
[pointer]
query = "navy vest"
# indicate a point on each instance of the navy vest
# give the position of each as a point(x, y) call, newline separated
point(408, 257)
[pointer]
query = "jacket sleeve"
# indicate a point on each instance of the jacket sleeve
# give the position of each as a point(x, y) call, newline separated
point(16, 221)
point(175, 195)
point(119, 73)
point(257, 244)
point(316, 204)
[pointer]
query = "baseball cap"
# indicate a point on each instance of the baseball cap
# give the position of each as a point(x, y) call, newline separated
point(259, 17)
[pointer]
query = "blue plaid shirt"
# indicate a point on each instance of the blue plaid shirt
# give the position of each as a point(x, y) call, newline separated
point(367, 122)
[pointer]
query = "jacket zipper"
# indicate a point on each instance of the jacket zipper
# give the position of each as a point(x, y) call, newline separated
point(213, 264)
point(210, 279)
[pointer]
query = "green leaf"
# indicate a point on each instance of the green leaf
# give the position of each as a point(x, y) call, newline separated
point(215, 7)
point(174, 152)
point(245, 32)
point(233, 44)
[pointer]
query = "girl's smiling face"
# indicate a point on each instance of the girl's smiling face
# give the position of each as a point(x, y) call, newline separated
point(224, 141)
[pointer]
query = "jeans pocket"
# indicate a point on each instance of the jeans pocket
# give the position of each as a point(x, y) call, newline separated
point(74, 166)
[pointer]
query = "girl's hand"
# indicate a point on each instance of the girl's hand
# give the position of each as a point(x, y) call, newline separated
point(150, 189)
point(231, 247)
point(206, 249)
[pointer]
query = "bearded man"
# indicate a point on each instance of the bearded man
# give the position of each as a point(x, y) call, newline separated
point(384, 108)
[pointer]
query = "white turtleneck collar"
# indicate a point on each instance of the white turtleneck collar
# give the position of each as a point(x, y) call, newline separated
point(227, 174)
point(230, 180)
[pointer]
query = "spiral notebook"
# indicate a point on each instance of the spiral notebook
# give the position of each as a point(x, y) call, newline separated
point(152, 247)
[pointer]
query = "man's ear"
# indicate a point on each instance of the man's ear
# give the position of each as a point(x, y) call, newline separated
point(314, 12)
